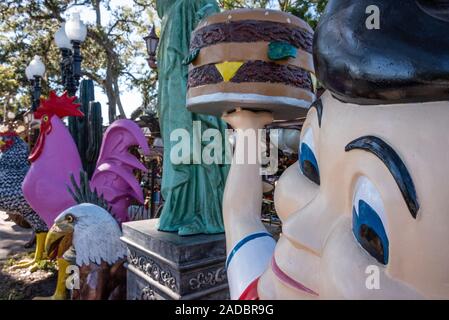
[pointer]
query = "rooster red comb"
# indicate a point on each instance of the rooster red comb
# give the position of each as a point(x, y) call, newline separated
point(62, 106)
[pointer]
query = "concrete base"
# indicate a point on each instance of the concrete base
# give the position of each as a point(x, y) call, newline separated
point(165, 266)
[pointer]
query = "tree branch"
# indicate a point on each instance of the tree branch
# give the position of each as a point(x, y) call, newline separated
point(100, 81)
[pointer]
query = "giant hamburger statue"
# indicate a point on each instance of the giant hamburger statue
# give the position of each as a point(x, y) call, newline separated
point(364, 211)
point(252, 59)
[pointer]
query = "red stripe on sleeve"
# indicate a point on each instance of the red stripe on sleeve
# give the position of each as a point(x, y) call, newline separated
point(250, 292)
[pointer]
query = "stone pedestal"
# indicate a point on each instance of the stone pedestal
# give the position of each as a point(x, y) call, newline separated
point(165, 266)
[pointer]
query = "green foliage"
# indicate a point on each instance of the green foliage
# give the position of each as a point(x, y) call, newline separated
point(148, 86)
point(27, 28)
point(46, 265)
point(10, 262)
point(8, 82)
point(26, 31)
point(308, 10)
point(9, 86)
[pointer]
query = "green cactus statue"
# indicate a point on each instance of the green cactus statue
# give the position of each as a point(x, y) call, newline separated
point(87, 131)
point(94, 136)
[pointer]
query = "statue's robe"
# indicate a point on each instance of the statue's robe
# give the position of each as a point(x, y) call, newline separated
point(192, 192)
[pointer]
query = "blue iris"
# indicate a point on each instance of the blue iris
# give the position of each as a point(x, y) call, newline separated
point(370, 232)
point(308, 163)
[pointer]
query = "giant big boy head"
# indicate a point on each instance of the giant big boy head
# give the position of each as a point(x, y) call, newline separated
point(370, 192)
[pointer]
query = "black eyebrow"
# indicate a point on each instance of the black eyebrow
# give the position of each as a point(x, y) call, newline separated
point(397, 168)
point(318, 105)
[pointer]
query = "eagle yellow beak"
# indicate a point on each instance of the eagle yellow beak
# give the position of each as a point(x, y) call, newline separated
point(2, 143)
point(59, 239)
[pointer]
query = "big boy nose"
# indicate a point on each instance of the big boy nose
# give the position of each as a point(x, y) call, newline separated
point(309, 227)
point(293, 192)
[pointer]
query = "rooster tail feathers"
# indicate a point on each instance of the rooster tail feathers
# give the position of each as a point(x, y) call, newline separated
point(114, 175)
point(129, 160)
point(119, 137)
point(124, 183)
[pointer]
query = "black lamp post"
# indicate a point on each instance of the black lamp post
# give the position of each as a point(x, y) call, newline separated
point(77, 59)
point(69, 38)
point(34, 73)
point(152, 42)
point(68, 80)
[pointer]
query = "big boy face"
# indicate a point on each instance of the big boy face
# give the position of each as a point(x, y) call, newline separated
point(365, 211)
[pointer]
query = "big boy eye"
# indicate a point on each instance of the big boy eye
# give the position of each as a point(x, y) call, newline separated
point(369, 220)
point(307, 158)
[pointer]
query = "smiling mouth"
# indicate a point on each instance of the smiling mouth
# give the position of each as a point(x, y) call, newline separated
point(288, 280)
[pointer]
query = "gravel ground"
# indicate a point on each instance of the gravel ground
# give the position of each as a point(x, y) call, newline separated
point(21, 284)
point(12, 237)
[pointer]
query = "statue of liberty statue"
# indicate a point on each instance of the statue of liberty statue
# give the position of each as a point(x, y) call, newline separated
point(192, 192)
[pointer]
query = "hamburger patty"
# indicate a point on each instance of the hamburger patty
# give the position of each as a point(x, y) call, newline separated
point(252, 31)
point(254, 71)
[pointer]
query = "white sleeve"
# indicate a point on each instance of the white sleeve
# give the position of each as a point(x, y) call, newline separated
point(248, 260)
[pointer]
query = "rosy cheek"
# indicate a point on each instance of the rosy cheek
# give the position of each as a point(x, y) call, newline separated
point(343, 264)
point(347, 271)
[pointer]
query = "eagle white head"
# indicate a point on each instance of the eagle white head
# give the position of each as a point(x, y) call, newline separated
point(94, 232)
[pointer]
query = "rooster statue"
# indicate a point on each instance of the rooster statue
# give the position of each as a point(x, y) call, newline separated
point(13, 169)
point(55, 159)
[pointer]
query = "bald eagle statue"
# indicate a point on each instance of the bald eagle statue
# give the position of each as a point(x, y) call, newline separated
point(88, 237)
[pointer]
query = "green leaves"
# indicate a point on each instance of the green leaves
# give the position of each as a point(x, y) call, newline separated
point(191, 57)
point(281, 51)
point(113, 51)
point(308, 10)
